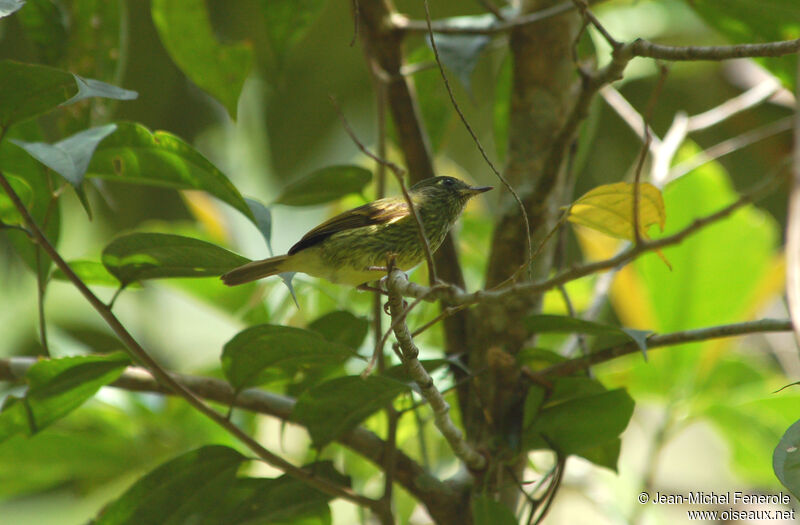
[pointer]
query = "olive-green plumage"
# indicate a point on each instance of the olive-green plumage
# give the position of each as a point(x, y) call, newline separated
point(344, 248)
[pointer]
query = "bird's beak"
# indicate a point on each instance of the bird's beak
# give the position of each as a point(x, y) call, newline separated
point(475, 190)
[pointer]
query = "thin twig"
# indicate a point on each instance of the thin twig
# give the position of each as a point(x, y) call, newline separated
point(446, 312)
point(550, 495)
point(23, 229)
point(489, 6)
point(41, 289)
point(646, 117)
point(629, 115)
point(382, 341)
point(405, 24)
point(643, 48)
point(138, 353)
point(752, 97)
point(578, 364)
point(729, 146)
point(475, 139)
point(410, 353)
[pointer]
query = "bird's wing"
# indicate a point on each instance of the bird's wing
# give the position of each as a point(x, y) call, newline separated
point(383, 211)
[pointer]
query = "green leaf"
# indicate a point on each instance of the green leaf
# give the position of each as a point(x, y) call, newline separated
point(325, 185)
point(8, 213)
point(267, 352)
point(281, 500)
point(219, 69)
point(573, 422)
point(90, 272)
point(262, 218)
point(139, 256)
point(135, 155)
point(746, 21)
point(341, 327)
point(27, 90)
point(69, 157)
point(89, 87)
point(56, 387)
point(540, 323)
point(486, 511)
point(334, 407)
point(287, 21)
point(202, 487)
point(178, 491)
point(533, 403)
point(10, 6)
point(605, 455)
point(786, 459)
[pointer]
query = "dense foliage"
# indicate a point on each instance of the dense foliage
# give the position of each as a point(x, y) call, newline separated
point(577, 350)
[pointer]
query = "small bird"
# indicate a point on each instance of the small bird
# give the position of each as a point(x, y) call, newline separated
point(352, 247)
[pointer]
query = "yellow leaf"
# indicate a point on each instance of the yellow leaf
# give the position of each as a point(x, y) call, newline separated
point(609, 209)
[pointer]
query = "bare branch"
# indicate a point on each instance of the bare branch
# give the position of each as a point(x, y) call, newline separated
point(455, 438)
point(729, 146)
point(566, 368)
point(405, 24)
point(662, 158)
point(750, 98)
point(629, 115)
point(643, 48)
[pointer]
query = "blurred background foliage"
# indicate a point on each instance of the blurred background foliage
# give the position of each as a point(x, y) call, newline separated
point(707, 415)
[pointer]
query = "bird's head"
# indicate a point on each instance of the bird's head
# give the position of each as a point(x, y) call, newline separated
point(445, 189)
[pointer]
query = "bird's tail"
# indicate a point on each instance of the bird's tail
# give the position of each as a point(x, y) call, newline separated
point(255, 270)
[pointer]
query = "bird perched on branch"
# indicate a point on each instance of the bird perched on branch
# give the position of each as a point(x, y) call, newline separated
point(352, 247)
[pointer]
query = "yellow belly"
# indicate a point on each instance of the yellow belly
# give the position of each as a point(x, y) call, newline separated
point(308, 261)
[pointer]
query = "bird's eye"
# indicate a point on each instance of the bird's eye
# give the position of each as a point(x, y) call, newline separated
point(448, 181)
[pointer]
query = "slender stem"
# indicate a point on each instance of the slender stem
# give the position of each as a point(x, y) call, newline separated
point(41, 288)
point(646, 117)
